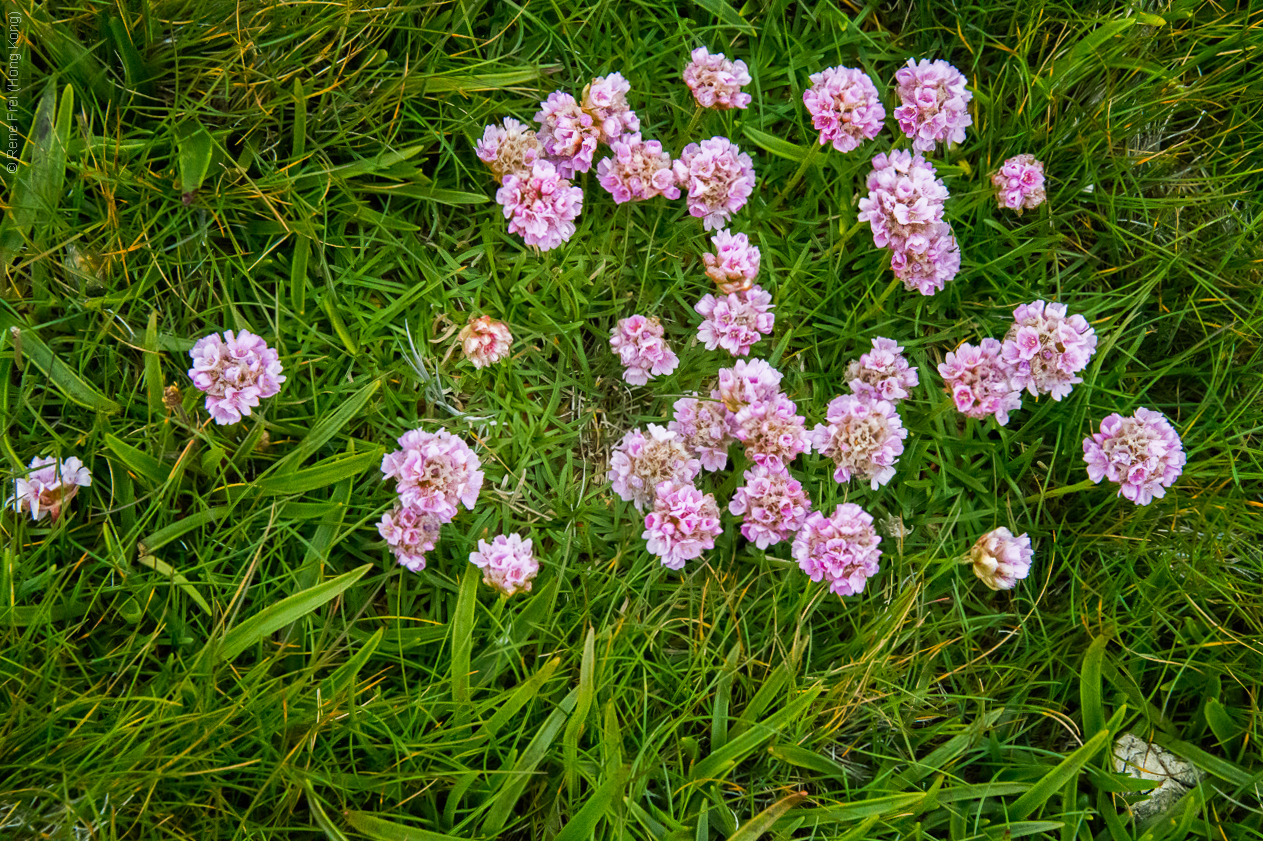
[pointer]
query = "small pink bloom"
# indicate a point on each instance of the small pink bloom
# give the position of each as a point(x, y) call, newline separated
point(606, 101)
point(637, 170)
point(749, 381)
point(862, 436)
point(509, 148)
point(1142, 454)
point(735, 322)
point(642, 347)
point(980, 382)
point(845, 107)
point(841, 549)
point(568, 134)
point(49, 487)
point(883, 373)
point(905, 199)
point(236, 372)
point(935, 105)
point(927, 262)
point(640, 462)
point(719, 178)
point(1045, 350)
point(1019, 183)
point(1000, 559)
point(410, 533)
point(508, 563)
point(715, 81)
point(435, 471)
point(683, 524)
point(772, 503)
point(540, 208)
point(485, 341)
point(735, 262)
point(772, 431)
point(707, 429)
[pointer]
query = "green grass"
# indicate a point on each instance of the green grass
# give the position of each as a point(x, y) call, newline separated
point(261, 669)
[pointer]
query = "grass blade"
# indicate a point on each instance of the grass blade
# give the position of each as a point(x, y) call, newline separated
point(322, 474)
point(380, 829)
point(761, 823)
point(58, 372)
point(463, 633)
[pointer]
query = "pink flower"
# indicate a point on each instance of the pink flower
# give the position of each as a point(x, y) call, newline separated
point(749, 381)
point(1045, 350)
point(509, 148)
point(735, 322)
point(980, 382)
point(639, 463)
point(49, 487)
point(1000, 559)
point(507, 563)
point(841, 549)
point(409, 532)
point(707, 429)
point(905, 198)
point(719, 178)
point(845, 107)
point(1019, 183)
point(642, 348)
point(862, 437)
point(773, 503)
point(715, 81)
point(935, 105)
point(638, 170)
point(542, 207)
point(236, 372)
point(883, 373)
point(434, 472)
point(485, 341)
point(926, 262)
point(683, 524)
point(772, 431)
point(606, 101)
point(568, 134)
point(735, 262)
point(1142, 454)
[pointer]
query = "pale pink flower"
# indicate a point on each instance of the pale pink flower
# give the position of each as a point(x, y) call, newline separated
point(841, 549)
point(236, 372)
point(980, 382)
point(683, 524)
point(435, 471)
point(49, 487)
point(715, 81)
point(862, 436)
point(905, 198)
point(1142, 454)
point(485, 341)
point(642, 348)
point(845, 107)
point(926, 262)
point(772, 504)
point(606, 101)
point(637, 170)
point(772, 431)
point(935, 105)
point(735, 262)
point(410, 533)
point(568, 134)
point(1019, 183)
point(541, 207)
point(883, 373)
point(508, 563)
point(639, 463)
point(719, 179)
point(707, 429)
point(1000, 560)
point(735, 322)
point(749, 381)
point(509, 148)
point(1045, 350)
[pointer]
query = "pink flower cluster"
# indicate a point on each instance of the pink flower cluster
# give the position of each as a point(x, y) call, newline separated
point(509, 149)
point(640, 463)
point(641, 346)
point(49, 487)
point(706, 428)
point(236, 372)
point(719, 179)
point(883, 373)
point(715, 81)
point(979, 381)
point(840, 549)
point(1142, 454)
point(748, 381)
point(410, 533)
point(683, 524)
point(606, 101)
point(862, 436)
point(1001, 560)
point(568, 133)
point(485, 341)
point(1045, 350)
point(772, 503)
point(541, 205)
point(735, 263)
point(845, 107)
point(935, 104)
point(736, 321)
point(508, 563)
point(637, 170)
point(1019, 183)
point(772, 431)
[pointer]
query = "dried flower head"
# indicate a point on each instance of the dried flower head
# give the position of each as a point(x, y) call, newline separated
point(772, 504)
point(707, 429)
point(509, 148)
point(508, 563)
point(980, 382)
point(926, 262)
point(840, 549)
point(772, 431)
point(642, 347)
point(49, 487)
point(715, 81)
point(435, 471)
point(568, 134)
point(1045, 350)
point(845, 107)
point(606, 101)
point(735, 262)
point(1001, 560)
point(410, 533)
point(719, 179)
point(637, 170)
point(1142, 454)
point(861, 436)
point(541, 207)
point(748, 381)
point(735, 322)
point(236, 371)
point(905, 198)
point(935, 105)
point(683, 524)
point(883, 373)
point(1019, 183)
point(640, 462)
point(485, 341)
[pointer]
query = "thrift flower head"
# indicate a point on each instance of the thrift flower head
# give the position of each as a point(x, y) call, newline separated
point(735, 262)
point(541, 207)
point(927, 261)
point(1142, 454)
point(1000, 559)
point(773, 504)
point(715, 81)
point(509, 148)
point(862, 436)
point(49, 487)
point(642, 348)
point(707, 429)
point(606, 101)
point(683, 524)
point(719, 178)
point(485, 341)
point(772, 431)
point(637, 170)
point(841, 549)
point(236, 371)
point(507, 563)
point(640, 462)
point(749, 381)
point(935, 105)
point(883, 373)
point(1019, 184)
point(845, 107)
point(980, 382)
point(568, 134)
point(410, 533)
point(905, 198)
point(735, 322)
point(1045, 350)
point(435, 471)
